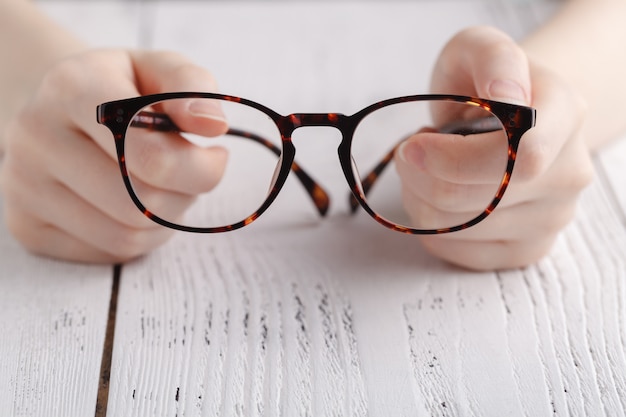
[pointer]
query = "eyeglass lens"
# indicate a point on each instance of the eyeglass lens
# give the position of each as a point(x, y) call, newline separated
point(447, 173)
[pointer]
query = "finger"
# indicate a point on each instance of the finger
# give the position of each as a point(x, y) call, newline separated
point(486, 62)
point(46, 240)
point(128, 74)
point(525, 221)
point(458, 159)
point(442, 211)
point(170, 162)
point(37, 157)
point(423, 190)
point(201, 116)
point(491, 254)
point(159, 72)
point(36, 200)
point(144, 73)
point(72, 89)
point(560, 113)
point(76, 220)
point(434, 203)
point(110, 196)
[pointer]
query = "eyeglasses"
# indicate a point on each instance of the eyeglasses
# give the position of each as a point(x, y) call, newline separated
point(447, 132)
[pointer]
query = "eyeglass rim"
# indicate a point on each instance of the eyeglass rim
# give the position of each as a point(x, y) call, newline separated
point(516, 120)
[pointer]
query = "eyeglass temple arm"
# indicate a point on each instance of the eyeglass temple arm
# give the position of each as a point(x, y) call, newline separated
point(163, 123)
point(461, 127)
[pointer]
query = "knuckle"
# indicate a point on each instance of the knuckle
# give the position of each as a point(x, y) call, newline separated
point(28, 123)
point(7, 182)
point(498, 41)
point(184, 72)
point(538, 249)
point(15, 185)
point(581, 177)
point(168, 56)
point(192, 71)
point(151, 162)
point(448, 197)
point(26, 154)
point(18, 146)
point(130, 243)
point(465, 255)
point(73, 76)
point(126, 249)
point(506, 49)
point(65, 79)
point(522, 253)
point(557, 219)
point(23, 228)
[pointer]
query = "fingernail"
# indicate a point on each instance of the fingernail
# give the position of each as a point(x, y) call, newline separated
point(508, 91)
point(206, 108)
point(412, 153)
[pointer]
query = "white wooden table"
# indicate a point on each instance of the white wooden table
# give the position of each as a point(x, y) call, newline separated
point(297, 316)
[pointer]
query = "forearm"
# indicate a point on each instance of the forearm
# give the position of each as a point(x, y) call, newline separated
point(29, 44)
point(584, 44)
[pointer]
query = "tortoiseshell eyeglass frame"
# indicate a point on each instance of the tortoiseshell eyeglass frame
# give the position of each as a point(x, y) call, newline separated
point(118, 115)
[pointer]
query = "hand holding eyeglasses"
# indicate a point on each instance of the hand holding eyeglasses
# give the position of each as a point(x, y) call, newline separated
point(553, 162)
point(62, 192)
point(64, 197)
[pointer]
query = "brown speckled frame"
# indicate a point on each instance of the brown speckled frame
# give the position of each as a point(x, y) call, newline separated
point(119, 115)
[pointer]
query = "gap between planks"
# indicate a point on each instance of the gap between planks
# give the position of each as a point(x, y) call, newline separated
point(107, 350)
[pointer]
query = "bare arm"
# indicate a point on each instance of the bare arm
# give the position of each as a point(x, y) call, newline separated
point(584, 44)
point(29, 43)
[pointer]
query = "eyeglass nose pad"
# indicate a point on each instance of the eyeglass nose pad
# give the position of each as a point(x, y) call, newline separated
point(275, 175)
point(357, 176)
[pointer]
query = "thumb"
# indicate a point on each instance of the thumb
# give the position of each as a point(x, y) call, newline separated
point(486, 62)
point(159, 72)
